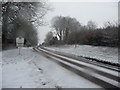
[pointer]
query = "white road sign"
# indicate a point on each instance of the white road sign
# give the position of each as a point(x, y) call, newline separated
point(19, 41)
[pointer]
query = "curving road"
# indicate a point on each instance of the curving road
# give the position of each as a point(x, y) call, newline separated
point(100, 75)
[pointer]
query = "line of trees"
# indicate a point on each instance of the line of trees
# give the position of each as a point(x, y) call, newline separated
point(70, 31)
point(20, 19)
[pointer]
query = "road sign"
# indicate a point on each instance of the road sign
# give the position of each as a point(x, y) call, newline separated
point(19, 42)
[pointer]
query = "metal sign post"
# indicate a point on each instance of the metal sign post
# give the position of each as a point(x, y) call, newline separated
point(19, 50)
point(19, 43)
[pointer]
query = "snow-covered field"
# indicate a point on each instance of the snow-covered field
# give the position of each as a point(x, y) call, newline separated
point(34, 70)
point(109, 54)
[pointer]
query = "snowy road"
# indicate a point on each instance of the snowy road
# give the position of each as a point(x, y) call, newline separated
point(102, 76)
point(35, 70)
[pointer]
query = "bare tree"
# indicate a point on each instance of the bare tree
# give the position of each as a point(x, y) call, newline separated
point(64, 26)
point(56, 24)
point(91, 25)
point(48, 38)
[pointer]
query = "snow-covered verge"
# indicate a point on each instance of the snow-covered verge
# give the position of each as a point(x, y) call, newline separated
point(0, 70)
point(108, 54)
point(34, 70)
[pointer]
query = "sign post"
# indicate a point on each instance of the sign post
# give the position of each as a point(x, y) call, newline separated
point(19, 43)
point(19, 50)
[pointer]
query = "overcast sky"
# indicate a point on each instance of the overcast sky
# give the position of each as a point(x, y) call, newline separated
point(94, 10)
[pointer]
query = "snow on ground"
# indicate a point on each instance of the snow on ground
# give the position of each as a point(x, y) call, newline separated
point(34, 70)
point(0, 70)
point(109, 54)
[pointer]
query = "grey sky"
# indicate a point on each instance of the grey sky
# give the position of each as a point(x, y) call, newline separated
point(100, 12)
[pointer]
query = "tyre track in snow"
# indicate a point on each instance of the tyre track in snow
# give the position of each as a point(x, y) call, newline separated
point(112, 66)
point(102, 78)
